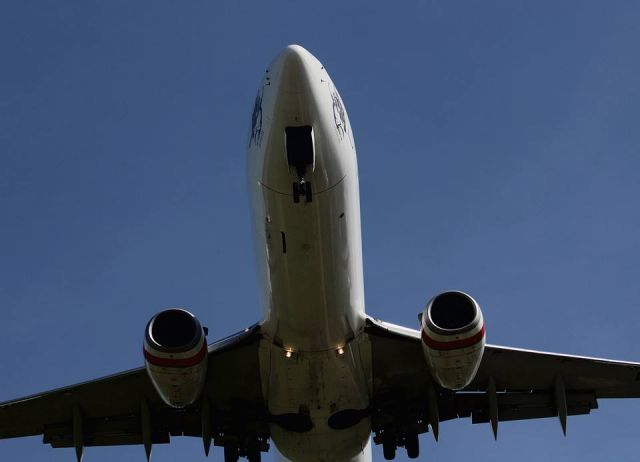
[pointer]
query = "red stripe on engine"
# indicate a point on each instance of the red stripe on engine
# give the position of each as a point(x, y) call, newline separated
point(453, 344)
point(177, 362)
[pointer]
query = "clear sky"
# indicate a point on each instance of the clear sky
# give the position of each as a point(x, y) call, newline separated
point(498, 151)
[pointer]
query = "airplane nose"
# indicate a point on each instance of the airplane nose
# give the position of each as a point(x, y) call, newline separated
point(294, 53)
point(291, 69)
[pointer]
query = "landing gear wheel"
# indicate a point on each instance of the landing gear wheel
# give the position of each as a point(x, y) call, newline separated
point(307, 191)
point(296, 194)
point(388, 448)
point(231, 453)
point(253, 455)
point(412, 445)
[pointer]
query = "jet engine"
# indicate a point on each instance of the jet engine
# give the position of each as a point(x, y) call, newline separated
point(453, 338)
point(175, 353)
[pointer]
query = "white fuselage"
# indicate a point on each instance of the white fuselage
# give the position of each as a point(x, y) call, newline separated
point(314, 357)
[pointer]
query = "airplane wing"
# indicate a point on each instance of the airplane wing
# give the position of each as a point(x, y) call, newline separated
point(510, 384)
point(126, 409)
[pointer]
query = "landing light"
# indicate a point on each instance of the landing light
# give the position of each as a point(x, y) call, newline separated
point(288, 353)
point(340, 351)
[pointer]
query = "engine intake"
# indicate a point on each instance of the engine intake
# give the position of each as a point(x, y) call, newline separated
point(453, 338)
point(452, 310)
point(175, 352)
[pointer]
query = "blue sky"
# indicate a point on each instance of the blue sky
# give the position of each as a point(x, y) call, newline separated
point(498, 153)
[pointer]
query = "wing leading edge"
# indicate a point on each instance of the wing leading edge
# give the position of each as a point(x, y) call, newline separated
point(511, 384)
point(125, 408)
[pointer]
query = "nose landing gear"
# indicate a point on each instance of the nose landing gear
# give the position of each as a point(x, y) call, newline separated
point(302, 188)
point(300, 149)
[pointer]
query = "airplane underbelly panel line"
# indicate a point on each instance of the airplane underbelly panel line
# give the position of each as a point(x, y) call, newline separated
point(315, 192)
point(278, 343)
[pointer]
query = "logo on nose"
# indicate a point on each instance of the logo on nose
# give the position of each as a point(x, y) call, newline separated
point(256, 121)
point(339, 114)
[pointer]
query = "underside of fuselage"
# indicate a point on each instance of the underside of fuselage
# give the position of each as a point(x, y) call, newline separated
point(303, 180)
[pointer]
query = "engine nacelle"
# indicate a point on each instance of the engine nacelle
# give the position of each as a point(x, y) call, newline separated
point(175, 353)
point(453, 338)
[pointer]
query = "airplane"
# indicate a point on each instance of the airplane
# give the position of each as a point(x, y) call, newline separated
point(317, 376)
